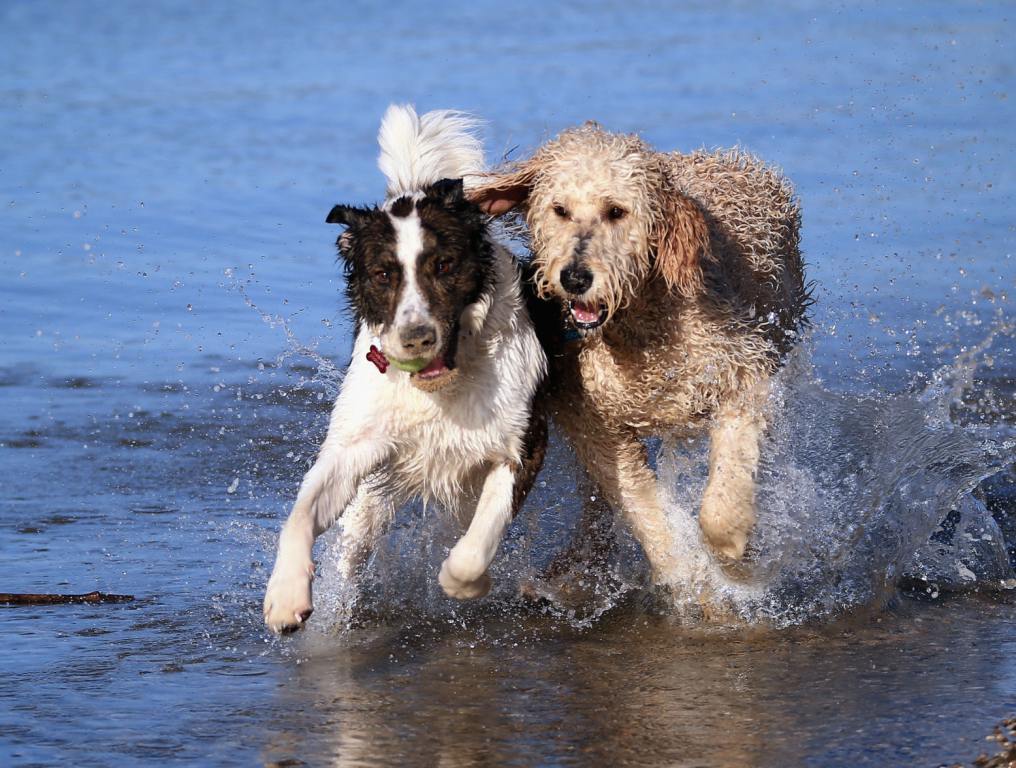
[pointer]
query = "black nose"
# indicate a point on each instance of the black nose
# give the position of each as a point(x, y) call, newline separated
point(418, 339)
point(576, 279)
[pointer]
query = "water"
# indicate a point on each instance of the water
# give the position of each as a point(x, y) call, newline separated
point(173, 332)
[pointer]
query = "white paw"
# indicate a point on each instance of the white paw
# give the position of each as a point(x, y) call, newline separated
point(288, 602)
point(464, 575)
point(726, 520)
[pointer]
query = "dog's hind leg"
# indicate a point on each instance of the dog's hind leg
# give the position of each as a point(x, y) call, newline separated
point(577, 575)
point(590, 546)
point(727, 514)
point(326, 490)
point(364, 522)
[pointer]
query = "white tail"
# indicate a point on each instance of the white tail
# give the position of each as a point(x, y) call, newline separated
point(417, 151)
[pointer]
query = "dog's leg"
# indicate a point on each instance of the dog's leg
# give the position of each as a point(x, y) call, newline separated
point(727, 514)
point(363, 523)
point(590, 546)
point(617, 462)
point(639, 499)
point(577, 575)
point(326, 490)
point(464, 572)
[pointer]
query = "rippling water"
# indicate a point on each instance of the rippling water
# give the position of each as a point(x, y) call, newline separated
point(173, 333)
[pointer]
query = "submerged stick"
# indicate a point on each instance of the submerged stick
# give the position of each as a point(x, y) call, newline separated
point(16, 598)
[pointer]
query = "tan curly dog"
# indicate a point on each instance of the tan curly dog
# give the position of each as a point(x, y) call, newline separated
point(681, 282)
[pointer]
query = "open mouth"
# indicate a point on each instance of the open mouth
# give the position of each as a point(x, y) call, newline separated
point(434, 370)
point(428, 374)
point(587, 316)
point(436, 375)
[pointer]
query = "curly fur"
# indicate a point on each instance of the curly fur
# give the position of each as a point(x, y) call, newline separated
point(698, 274)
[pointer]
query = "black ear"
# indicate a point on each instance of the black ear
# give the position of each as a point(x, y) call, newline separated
point(347, 215)
point(351, 217)
point(447, 191)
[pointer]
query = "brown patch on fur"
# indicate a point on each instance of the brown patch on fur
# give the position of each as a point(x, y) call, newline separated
point(682, 244)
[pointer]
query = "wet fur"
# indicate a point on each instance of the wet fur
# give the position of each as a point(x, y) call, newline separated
point(471, 443)
point(703, 286)
point(455, 234)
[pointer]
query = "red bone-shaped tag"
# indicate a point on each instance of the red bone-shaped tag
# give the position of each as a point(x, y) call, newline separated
point(377, 357)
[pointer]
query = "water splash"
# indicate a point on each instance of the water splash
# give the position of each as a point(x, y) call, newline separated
point(327, 373)
point(850, 488)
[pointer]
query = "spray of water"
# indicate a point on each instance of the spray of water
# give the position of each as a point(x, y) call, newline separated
point(852, 490)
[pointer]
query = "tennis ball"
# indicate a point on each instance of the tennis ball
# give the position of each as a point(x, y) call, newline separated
point(412, 365)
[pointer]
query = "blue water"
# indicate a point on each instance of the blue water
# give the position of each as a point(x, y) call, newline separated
point(171, 323)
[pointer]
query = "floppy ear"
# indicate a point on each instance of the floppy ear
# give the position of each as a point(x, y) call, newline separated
point(498, 193)
point(682, 244)
point(348, 216)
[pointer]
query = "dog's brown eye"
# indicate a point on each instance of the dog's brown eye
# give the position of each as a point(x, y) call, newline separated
point(382, 276)
point(614, 213)
point(444, 266)
point(561, 211)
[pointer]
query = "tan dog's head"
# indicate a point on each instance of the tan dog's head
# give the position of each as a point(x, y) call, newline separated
point(603, 219)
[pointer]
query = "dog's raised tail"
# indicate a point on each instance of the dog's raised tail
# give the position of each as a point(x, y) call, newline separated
point(419, 150)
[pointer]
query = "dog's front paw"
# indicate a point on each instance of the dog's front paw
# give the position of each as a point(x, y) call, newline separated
point(288, 602)
point(726, 520)
point(464, 575)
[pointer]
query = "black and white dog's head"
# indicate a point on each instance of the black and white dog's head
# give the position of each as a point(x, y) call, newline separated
point(413, 266)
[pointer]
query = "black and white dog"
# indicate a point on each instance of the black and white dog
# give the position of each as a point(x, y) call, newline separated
point(438, 401)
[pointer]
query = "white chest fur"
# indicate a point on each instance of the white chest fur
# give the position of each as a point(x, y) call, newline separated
point(442, 443)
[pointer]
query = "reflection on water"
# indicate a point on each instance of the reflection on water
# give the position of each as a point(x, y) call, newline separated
point(638, 689)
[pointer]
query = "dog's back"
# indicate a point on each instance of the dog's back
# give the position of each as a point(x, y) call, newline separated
point(754, 221)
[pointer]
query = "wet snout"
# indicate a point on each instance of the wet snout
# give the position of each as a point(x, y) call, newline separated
point(578, 281)
point(418, 339)
point(576, 278)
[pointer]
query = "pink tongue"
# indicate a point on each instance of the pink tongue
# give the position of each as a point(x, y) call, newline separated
point(435, 368)
point(585, 313)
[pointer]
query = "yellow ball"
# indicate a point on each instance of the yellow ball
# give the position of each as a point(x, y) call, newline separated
point(412, 366)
